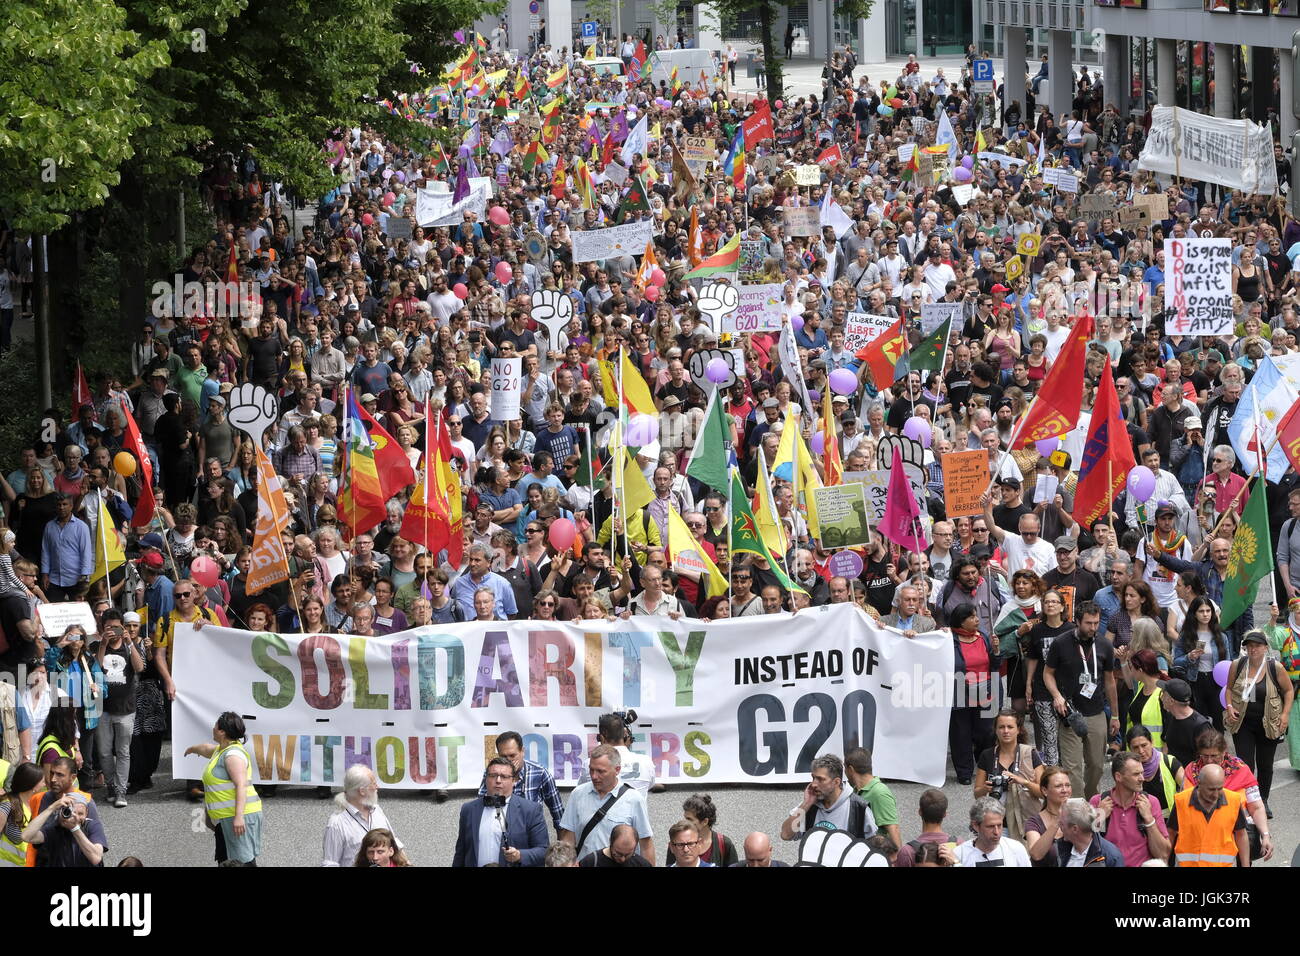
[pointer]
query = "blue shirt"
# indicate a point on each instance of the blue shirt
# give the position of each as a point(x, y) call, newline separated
point(1108, 601)
point(462, 592)
point(527, 481)
point(158, 600)
point(66, 554)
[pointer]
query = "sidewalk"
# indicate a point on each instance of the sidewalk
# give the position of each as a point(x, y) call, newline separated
point(803, 76)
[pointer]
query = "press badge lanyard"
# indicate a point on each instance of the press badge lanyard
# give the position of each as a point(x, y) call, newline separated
point(1088, 680)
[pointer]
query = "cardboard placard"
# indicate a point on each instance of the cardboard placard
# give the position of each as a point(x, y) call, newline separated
point(965, 478)
point(1094, 207)
point(842, 516)
point(808, 176)
point(801, 221)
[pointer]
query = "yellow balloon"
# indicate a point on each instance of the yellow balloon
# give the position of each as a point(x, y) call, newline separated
point(124, 464)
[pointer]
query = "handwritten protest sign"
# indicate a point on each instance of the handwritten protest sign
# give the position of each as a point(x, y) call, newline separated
point(842, 516)
point(935, 314)
point(862, 328)
point(801, 221)
point(760, 309)
point(1198, 286)
point(808, 176)
point(507, 378)
point(965, 477)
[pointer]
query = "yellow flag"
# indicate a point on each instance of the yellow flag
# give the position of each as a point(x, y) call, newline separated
point(636, 393)
point(608, 383)
point(109, 553)
point(765, 517)
point(591, 53)
point(689, 556)
point(636, 490)
point(793, 453)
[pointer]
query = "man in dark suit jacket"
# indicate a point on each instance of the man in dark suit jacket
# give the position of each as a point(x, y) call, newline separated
point(515, 825)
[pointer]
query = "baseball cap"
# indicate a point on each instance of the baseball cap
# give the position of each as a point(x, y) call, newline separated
point(1066, 543)
point(1254, 637)
point(152, 540)
point(152, 560)
point(771, 403)
point(1214, 355)
point(158, 373)
point(368, 397)
point(1176, 689)
point(981, 551)
point(216, 400)
point(1009, 482)
point(848, 417)
point(999, 288)
point(130, 617)
point(1192, 423)
point(1166, 508)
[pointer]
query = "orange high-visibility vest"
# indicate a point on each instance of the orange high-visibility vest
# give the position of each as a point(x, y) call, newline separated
point(1203, 842)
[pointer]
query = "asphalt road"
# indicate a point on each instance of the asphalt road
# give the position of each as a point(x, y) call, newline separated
point(164, 829)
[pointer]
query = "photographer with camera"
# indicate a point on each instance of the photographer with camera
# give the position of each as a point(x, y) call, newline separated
point(1077, 671)
point(1009, 772)
point(615, 730)
point(499, 827)
point(66, 831)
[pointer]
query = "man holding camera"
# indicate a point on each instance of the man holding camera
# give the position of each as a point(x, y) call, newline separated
point(499, 828)
point(66, 831)
point(1076, 671)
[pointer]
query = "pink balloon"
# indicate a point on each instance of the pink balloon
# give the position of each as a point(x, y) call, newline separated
point(389, 199)
point(818, 444)
point(367, 219)
point(652, 293)
point(657, 276)
point(499, 215)
point(460, 291)
point(504, 273)
point(204, 570)
point(779, 104)
point(562, 534)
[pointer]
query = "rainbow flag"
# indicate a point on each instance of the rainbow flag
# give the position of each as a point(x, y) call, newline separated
point(361, 500)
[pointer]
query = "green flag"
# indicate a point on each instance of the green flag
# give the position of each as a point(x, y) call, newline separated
point(745, 538)
point(588, 472)
point(1251, 558)
point(928, 354)
point(709, 458)
point(634, 201)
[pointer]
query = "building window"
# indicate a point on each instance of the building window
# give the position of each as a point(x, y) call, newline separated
point(1255, 7)
point(1218, 6)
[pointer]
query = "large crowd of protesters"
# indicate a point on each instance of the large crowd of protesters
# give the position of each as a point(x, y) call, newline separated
point(1100, 642)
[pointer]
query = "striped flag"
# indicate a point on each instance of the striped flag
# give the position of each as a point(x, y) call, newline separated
point(270, 562)
point(726, 259)
point(361, 498)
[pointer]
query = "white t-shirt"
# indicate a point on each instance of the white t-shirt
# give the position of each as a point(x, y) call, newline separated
point(1039, 558)
point(1007, 853)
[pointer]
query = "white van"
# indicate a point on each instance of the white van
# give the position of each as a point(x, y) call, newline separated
point(689, 63)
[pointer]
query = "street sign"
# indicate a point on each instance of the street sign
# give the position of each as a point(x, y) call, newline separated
point(982, 76)
point(534, 6)
point(589, 30)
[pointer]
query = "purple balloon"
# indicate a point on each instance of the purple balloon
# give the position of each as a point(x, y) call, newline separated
point(401, 176)
point(818, 444)
point(796, 323)
point(814, 396)
point(642, 430)
point(968, 161)
point(1223, 696)
point(717, 371)
point(1046, 446)
point(1221, 673)
point(843, 382)
point(918, 429)
point(1142, 483)
point(961, 174)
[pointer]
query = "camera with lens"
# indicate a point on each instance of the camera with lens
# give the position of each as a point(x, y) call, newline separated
point(627, 716)
point(998, 787)
point(65, 812)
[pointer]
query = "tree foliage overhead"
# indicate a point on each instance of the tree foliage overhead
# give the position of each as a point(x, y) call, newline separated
point(70, 82)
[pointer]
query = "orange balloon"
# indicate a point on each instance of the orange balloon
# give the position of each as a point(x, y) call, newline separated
point(124, 464)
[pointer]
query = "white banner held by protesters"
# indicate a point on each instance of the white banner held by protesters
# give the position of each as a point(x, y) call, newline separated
point(434, 209)
point(1198, 287)
point(626, 240)
point(731, 701)
point(1233, 153)
point(760, 309)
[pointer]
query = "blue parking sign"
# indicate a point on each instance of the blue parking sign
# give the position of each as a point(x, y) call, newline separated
point(981, 70)
point(589, 30)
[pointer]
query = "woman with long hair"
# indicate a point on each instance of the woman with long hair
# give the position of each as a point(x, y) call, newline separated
point(974, 656)
point(83, 682)
point(1044, 827)
point(244, 474)
point(1009, 771)
point(1201, 645)
point(59, 738)
point(33, 510)
point(15, 813)
point(379, 848)
point(260, 619)
point(1187, 585)
point(1040, 637)
point(313, 616)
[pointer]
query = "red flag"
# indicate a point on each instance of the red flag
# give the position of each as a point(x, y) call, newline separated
point(831, 154)
point(144, 506)
point(1056, 409)
point(758, 126)
point(607, 155)
point(80, 393)
point(1107, 455)
point(1288, 434)
point(882, 354)
point(428, 516)
point(901, 522)
point(831, 463)
point(395, 471)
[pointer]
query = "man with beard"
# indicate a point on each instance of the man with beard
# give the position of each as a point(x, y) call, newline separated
point(358, 813)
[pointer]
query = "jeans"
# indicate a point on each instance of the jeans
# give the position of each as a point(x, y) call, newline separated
point(113, 741)
point(1082, 757)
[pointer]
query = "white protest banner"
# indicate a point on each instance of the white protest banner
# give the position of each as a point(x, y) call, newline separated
point(963, 193)
point(729, 699)
point(57, 618)
point(1198, 287)
point(433, 209)
point(1000, 159)
point(616, 174)
point(801, 221)
point(810, 175)
point(1063, 179)
point(862, 328)
point(1233, 153)
point(792, 368)
point(760, 309)
point(507, 378)
point(626, 240)
point(935, 314)
point(905, 151)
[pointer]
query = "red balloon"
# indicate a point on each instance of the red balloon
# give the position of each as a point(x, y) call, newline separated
point(204, 570)
point(460, 291)
point(652, 293)
point(367, 219)
point(562, 534)
point(504, 273)
point(499, 215)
